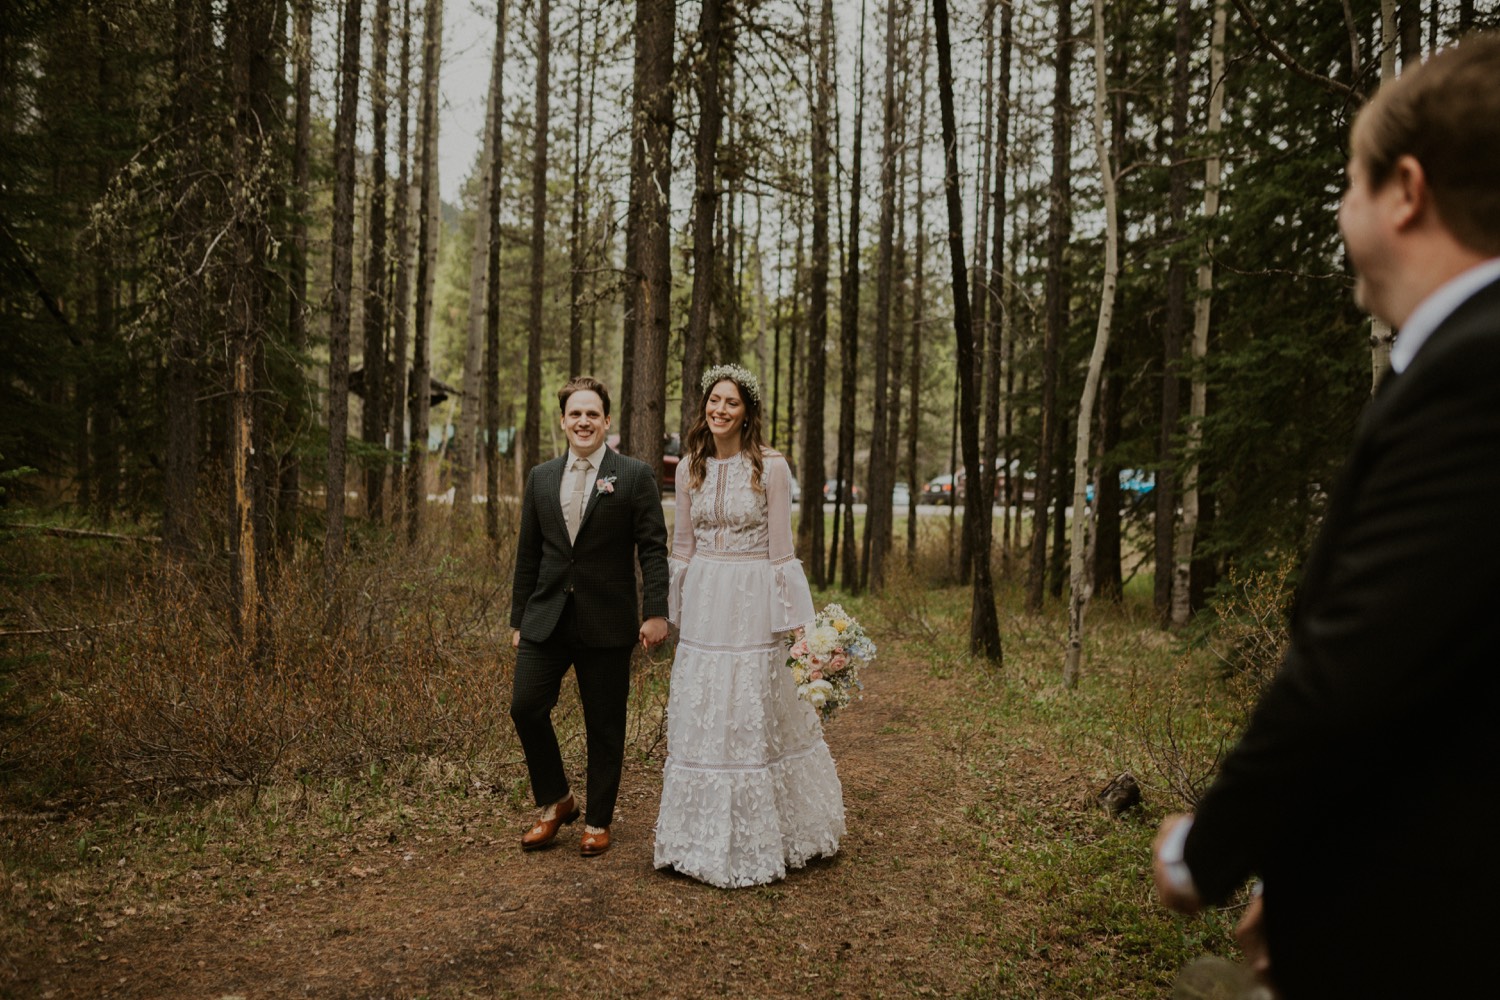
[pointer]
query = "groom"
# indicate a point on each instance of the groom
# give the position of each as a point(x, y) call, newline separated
point(585, 519)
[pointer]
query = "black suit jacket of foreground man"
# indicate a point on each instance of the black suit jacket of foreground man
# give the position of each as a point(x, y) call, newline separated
point(598, 568)
point(1365, 790)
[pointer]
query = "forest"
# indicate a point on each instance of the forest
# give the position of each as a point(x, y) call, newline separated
point(269, 388)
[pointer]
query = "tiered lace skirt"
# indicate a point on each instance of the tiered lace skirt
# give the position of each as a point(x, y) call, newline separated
point(749, 788)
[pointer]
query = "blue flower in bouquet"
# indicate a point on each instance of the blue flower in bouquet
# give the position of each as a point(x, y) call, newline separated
point(825, 658)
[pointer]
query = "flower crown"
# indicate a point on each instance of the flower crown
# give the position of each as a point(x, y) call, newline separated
point(736, 374)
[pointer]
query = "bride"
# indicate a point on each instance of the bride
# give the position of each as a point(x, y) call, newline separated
point(749, 788)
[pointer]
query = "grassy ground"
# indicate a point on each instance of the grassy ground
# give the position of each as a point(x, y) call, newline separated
point(378, 857)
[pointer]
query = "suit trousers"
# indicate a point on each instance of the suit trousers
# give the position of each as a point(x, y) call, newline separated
point(604, 690)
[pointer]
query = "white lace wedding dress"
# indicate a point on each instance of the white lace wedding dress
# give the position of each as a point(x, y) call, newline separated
point(749, 788)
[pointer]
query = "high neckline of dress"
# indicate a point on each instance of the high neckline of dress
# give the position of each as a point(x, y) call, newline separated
point(721, 461)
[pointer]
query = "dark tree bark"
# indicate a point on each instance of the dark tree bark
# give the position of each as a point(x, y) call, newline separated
point(1059, 227)
point(1176, 321)
point(533, 450)
point(810, 520)
point(984, 626)
point(341, 281)
point(849, 345)
point(650, 197)
point(492, 298)
point(575, 223)
point(918, 298)
point(878, 513)
point(419, 393)
point(184, 355)
point(705, 207)
point(372, 425)
point(290, 474)
point(401, 268)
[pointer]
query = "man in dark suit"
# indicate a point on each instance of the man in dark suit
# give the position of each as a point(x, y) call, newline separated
point(1363, 792)
point(586, 518)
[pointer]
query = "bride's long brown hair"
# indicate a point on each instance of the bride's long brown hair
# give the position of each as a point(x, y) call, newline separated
point(700, 440)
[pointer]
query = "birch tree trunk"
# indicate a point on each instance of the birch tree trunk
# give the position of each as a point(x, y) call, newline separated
point(1198, 405)
point(429, 217)
point(1080, 584)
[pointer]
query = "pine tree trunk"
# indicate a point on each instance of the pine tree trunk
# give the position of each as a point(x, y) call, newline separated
point(575, 223)
point(401, 268)
point(492, 299)
point(1080, 584)
point(538, 234)
point(705, 209)
point(878, 510)
point(984, 626)
point(1176, 319)
point(180, 521)
point(1183, 559)
point(341, 297)
point(1381, 334)
point(429, 214)
point(650, 197)
point(810, 544)
point(465, 451)
point(918, 295)
point(849, 346)
point(1059, 225)
point(373, 420)
point(995, 316)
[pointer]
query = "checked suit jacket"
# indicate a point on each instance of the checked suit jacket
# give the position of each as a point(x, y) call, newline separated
point(598, 568)
point(1366, 789)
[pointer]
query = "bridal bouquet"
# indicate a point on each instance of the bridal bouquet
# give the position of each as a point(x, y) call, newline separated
point(825, 658)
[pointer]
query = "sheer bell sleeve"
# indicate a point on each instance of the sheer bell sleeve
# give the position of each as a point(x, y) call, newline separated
point(791, 604)
point(682, 542)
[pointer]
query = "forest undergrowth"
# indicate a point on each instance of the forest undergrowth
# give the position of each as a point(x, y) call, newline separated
point(155, 770)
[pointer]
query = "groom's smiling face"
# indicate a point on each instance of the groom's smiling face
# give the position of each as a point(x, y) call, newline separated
point(585, 422)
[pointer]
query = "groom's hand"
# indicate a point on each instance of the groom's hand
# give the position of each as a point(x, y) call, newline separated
point(653, 632)
point(515, 638)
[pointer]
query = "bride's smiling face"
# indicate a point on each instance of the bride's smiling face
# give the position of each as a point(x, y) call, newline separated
point(725, 412)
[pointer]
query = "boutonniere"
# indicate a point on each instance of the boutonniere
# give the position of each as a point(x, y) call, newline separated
point(605, 484)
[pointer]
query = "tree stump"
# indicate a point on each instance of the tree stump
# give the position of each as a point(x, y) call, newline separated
point(1120, 794)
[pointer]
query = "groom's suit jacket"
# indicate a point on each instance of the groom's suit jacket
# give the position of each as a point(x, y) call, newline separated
point(621, 522)
point(1366, 788)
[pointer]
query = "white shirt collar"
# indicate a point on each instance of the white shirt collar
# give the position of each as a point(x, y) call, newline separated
point(1437, 307)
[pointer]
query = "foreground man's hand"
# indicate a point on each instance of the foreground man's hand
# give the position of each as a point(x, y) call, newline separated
point(1174, 887)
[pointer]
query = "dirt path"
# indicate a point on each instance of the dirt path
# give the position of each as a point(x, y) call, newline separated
point(446, 905)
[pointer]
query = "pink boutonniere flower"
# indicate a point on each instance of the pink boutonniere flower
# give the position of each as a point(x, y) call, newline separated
point(605, 484)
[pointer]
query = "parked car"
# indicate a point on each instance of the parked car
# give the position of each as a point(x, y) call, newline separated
point(831, 492)
point(671, 453)
point(901, 495)
point(938, 490)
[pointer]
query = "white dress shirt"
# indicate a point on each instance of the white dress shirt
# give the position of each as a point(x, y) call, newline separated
point(1433, 310)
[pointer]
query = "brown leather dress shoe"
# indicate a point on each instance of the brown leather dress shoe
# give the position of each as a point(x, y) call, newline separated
point(594, 843)
point(545, 830)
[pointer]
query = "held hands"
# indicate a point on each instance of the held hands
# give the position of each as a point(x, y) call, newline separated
point(1250, 932)
point(515, 638)
point(653, 632)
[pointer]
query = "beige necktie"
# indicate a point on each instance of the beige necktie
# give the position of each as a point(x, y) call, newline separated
point(574, 513)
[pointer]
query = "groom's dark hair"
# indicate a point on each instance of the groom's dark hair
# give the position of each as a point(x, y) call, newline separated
point(582, 383)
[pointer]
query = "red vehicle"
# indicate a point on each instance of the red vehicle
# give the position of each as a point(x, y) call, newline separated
point(671, 451)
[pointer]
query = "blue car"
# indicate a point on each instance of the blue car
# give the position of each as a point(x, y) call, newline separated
point(1133, 482)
